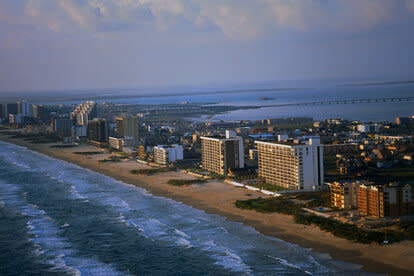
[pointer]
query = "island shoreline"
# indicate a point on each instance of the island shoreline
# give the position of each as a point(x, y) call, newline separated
point(396, 261)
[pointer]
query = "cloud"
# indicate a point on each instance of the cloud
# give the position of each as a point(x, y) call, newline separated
point(236, 19)
point(410, 5)
point(349, 16)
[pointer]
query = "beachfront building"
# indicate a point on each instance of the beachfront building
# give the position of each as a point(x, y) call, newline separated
point(344, 194)
point(127, 126)
point(220, 153)
point(385, 200)
point(124, 144)
point(11, 108)
point(98, 130)
point(83, 113)
point(25, 109)
point(3, 111)
point(16, 119)
point(168, 154)
point(62, 126)
point(371, 201)
point(292, 164)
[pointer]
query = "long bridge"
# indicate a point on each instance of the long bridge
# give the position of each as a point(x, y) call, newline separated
point(349, 101)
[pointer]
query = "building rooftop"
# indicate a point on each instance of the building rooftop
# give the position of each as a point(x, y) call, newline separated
point(214, 136)
point(286, 143)
point(300, 141)
point(220, 137)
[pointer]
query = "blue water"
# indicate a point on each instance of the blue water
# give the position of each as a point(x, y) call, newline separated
point(58, 218)
point(248, 95)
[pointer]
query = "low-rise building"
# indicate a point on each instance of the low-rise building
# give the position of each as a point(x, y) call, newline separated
point(366, 128)
point(124, 144)
point(345, 149)
point(344, 194)
point(385, 200)
point(16, 119)
point(168, 154)
point(253, 154)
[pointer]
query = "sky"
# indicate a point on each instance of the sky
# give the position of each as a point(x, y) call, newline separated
point(91, 44)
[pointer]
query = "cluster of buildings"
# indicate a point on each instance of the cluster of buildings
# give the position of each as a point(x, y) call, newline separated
point(296, 154)
point(379, 201)
point(165, 155)
point(293, 164)
point(20, 113)
point(82, 124)
point(83, 113)
point(405, 121)
point(126, 136)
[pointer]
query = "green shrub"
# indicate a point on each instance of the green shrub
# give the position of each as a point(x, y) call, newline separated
point(269, 205)
point(63, 146)
point(408, 228)
point(88, 152)
point(186, 182)
point(151, 171)
point(111, 159)
point(348, 231)
point(342, 230)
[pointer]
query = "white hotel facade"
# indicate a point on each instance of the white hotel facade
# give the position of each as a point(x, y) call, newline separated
point(220, 153)
point(167, 154)
point(294, 166)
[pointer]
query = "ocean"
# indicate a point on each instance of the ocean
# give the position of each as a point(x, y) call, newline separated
point(59, 219)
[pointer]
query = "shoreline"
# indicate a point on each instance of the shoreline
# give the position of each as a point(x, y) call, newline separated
point(217, 198)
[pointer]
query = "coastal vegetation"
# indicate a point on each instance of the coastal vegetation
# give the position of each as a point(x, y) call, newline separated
point(34, 138)
point(408, 228)
point(186, 182)
point(350, 231)
point(285, 205)
point(269, 205)
point(152, 171)
point(112, 158)
point(88, 152)
point(63, 146)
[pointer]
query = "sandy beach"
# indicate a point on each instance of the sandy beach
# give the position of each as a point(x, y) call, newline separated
point(217, 197)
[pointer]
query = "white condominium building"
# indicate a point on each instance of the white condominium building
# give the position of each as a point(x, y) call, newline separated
point(168, 154)
point(292, 165)
point(220, 153)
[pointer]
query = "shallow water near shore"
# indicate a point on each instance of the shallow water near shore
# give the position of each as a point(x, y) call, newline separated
point(58, 218)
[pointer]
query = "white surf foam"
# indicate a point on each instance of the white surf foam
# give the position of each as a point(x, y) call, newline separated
point(177, 223)
point(287, 264)
point(75, 194)
point(48, 246)
point(226, 257)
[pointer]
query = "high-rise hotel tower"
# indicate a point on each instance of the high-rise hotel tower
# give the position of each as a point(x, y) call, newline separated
point(294, 165)
point(220, 153)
